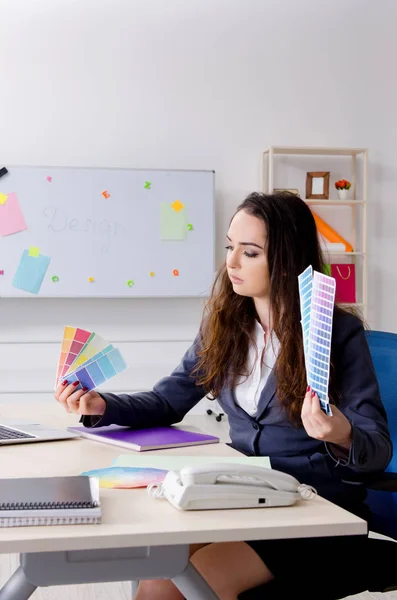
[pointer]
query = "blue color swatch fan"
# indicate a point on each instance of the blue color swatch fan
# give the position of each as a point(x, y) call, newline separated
point(317, 301)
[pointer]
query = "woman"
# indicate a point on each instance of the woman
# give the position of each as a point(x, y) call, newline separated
point(249, 355)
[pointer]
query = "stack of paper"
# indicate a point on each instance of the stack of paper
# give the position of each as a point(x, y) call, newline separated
point(87, 358)
point(317, 300)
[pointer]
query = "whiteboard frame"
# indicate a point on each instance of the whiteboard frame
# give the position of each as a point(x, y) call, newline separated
point(111, 296)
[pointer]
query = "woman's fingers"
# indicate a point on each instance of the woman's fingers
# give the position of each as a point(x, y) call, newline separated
point(67, 391)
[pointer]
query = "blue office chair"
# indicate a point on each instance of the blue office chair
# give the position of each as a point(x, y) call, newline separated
point(382, 492)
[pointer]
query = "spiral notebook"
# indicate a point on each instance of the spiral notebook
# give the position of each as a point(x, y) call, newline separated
point(49, 501)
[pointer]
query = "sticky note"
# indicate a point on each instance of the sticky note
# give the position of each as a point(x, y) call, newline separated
point(34, 251)
point(55, 278)
point(91, 279)
point(105, 194)
point(1, 271)
point(30, 272)
point(151, 274)
point(175, 272)
point(49, 178)
point(147, 185)
point(3, 198)
point(130, 283)
point(189, 227)
point(11, 216)
point(172, 223)
point(177, 205)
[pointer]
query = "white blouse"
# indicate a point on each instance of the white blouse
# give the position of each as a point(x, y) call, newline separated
point(262, 357)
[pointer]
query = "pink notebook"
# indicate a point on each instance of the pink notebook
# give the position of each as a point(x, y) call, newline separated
point(145, 439)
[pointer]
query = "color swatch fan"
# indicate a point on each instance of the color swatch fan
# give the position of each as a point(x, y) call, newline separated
point(317, 300)
point(88, 359)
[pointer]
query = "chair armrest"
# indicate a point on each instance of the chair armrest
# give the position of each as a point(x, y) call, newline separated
point(385, 482)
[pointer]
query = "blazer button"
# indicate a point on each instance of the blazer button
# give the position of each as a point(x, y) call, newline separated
point(362, 458)
point(255, 425)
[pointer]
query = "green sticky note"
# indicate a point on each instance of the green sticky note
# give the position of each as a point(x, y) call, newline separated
point(173, 223)
point(34, 251)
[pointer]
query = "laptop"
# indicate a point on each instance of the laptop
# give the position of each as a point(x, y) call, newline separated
point(22, 432)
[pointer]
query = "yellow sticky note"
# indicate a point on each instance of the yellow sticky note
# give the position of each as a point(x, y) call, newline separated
point(177, 205)
point(3, 198)
point(34, 251)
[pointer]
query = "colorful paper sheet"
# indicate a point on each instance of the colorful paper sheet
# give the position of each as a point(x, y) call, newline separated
point(73, 341)
point(172, 462)
point(126, 477)
point(31, 271)
point(317, 300)
point(93, 345)
point(11, 216)
point(88, 359)
point(95, 373)
point(173, 222)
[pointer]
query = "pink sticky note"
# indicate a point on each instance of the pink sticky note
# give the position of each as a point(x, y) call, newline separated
point(11, 216)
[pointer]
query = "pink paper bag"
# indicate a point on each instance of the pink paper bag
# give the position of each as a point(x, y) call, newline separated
point(345, 279)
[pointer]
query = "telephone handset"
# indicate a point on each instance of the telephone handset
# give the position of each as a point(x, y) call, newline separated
point(229, 485)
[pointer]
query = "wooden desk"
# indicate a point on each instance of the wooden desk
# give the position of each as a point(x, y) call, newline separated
point(136, 531)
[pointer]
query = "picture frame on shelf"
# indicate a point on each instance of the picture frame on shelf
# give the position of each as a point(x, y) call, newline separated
point(317, 185)
point(291, 191)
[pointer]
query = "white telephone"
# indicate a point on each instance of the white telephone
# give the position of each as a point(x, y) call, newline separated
point(229, 485)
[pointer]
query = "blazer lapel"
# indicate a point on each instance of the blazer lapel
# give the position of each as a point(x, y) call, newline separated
point(267, 394)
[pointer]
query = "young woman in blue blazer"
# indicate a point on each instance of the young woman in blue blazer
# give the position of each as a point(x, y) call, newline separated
point(249, 355)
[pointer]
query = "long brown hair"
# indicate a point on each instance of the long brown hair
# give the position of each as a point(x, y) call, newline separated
point(228, 321)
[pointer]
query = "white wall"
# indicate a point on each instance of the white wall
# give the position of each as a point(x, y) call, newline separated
point(200, 84)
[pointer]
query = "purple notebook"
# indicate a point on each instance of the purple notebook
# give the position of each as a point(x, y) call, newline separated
point(145, 439)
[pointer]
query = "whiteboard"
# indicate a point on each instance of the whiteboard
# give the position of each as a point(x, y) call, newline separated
point(92, 232)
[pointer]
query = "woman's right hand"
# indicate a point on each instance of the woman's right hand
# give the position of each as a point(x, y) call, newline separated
point(80, 402)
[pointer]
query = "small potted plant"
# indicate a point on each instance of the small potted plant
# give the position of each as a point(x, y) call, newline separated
point(344, 189)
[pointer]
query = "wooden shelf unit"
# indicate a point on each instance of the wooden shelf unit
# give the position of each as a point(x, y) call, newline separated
point(359, 232)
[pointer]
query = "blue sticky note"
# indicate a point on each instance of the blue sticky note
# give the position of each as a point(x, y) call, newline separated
point(30, 273)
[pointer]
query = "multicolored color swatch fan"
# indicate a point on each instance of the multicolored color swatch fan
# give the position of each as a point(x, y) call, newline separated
point(317, 300)
point(87, 358)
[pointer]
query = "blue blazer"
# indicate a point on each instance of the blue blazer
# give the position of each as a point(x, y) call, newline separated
point(335, 474)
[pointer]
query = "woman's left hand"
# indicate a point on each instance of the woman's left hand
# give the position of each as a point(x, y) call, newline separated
point(336, 429)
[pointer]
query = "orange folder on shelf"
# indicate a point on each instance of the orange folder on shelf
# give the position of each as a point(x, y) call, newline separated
point(330, 234)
